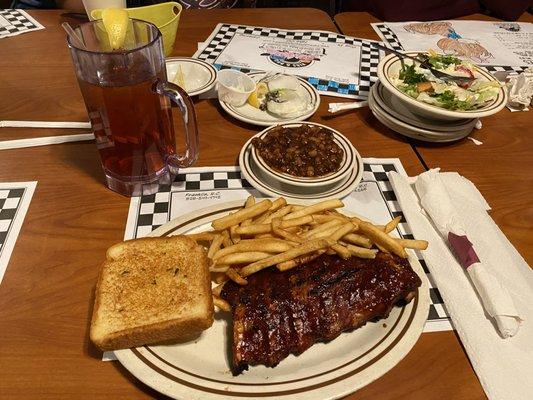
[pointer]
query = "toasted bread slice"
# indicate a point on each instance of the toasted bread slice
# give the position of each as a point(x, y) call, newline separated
point(152, 290)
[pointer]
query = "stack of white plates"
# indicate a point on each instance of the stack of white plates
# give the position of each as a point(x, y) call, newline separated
point(394, 114)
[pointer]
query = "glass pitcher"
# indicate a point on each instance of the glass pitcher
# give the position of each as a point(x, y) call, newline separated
point(127, 97)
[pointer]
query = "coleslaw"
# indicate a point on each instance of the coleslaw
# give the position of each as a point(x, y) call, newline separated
point(422, 85)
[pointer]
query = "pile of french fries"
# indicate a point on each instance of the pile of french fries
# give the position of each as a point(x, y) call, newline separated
point(273, 233)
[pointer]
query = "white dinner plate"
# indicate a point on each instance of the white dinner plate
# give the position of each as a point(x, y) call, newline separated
point(199, 76)
point(275, 188)
point(201, 369)
point(410, 131)
point(252, 115)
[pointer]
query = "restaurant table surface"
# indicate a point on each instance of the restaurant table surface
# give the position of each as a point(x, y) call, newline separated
point(47, 292)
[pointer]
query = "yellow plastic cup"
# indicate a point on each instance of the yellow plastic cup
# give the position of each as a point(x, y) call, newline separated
point(166, 16)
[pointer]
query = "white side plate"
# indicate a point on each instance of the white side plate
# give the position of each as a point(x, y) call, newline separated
point(252, 115)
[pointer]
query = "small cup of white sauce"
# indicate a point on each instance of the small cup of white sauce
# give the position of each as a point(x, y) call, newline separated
point(234, 87)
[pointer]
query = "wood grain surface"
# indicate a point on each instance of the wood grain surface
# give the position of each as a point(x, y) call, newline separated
point(47, 292)
point(501, 168)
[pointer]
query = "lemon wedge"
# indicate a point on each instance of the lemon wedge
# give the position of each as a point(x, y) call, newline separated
point(115, 22)
point(255, 99)
point(179, 78)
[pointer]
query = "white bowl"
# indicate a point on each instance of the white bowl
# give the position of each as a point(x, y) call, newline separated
point(391, 65)
point(234, 87)
point(397, 108)
point(347, 165)
point(398, 126)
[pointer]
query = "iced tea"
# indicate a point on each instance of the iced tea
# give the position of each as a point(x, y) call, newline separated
point(133, 128)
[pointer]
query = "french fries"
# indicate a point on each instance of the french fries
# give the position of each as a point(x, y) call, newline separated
point(256, 229)
point(277, 204)
point(270, 233)
point(358, 240)
point(393, 224)
point(361, 252)
point(222, 304)
point(219, 268)
point(381, 238)
point(305, 248)
point(235, 277)
point(341, 251)
point(269, 245)
point(243, 258)
point(413, 244)
point(203, 236)
point(217, 290)
point(284, 266)
point(324, 227)
point(344, 229)
point(315, 208)
point(215, 245)
point(226, 241)
point(233, 235)
point(250, 201)
point(241, 215)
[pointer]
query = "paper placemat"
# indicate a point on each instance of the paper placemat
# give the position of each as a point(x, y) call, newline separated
point(15, 199)
point(336, 65)
point(14, 22)
point(196, 188)
point(497, 46)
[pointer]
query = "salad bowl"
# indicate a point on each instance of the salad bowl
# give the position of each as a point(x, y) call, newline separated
point(425, 95)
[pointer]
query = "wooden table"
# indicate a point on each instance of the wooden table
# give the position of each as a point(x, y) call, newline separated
point(46, 293)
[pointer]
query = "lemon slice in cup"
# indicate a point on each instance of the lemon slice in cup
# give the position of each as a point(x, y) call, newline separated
point(115, 22)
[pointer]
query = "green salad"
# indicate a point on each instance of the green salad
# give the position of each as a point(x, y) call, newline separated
point(419, 83)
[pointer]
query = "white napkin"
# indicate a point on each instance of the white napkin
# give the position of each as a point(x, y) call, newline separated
point(503, 366)
point(520, 90)
point(438, 206)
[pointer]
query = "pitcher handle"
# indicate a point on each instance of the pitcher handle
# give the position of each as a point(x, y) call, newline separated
point(185, 104)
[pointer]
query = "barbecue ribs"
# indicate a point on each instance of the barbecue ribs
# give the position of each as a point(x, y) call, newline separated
point(279, 313)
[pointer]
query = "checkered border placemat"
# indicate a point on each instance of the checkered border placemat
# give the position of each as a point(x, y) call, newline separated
point(153, 211)
point(394, 43)
point(10, 200)
point(15, 198)
point(19, 22)
point(369, 55)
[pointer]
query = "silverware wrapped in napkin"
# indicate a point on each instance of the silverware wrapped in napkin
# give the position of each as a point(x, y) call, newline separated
point(503, 365)
point(437, 205)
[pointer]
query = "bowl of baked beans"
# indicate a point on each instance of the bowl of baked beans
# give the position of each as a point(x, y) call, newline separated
point(303, 154)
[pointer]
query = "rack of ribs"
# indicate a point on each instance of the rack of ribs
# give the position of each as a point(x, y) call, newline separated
point(279, 313)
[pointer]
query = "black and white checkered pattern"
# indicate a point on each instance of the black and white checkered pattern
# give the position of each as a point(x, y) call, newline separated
point(10, 200)
point(154, 210)
point(437, 310)
point(392, 41)
point(16, 21)
point(369, 55)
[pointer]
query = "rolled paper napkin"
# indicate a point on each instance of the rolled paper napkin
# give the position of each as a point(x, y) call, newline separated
point(496, 300)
